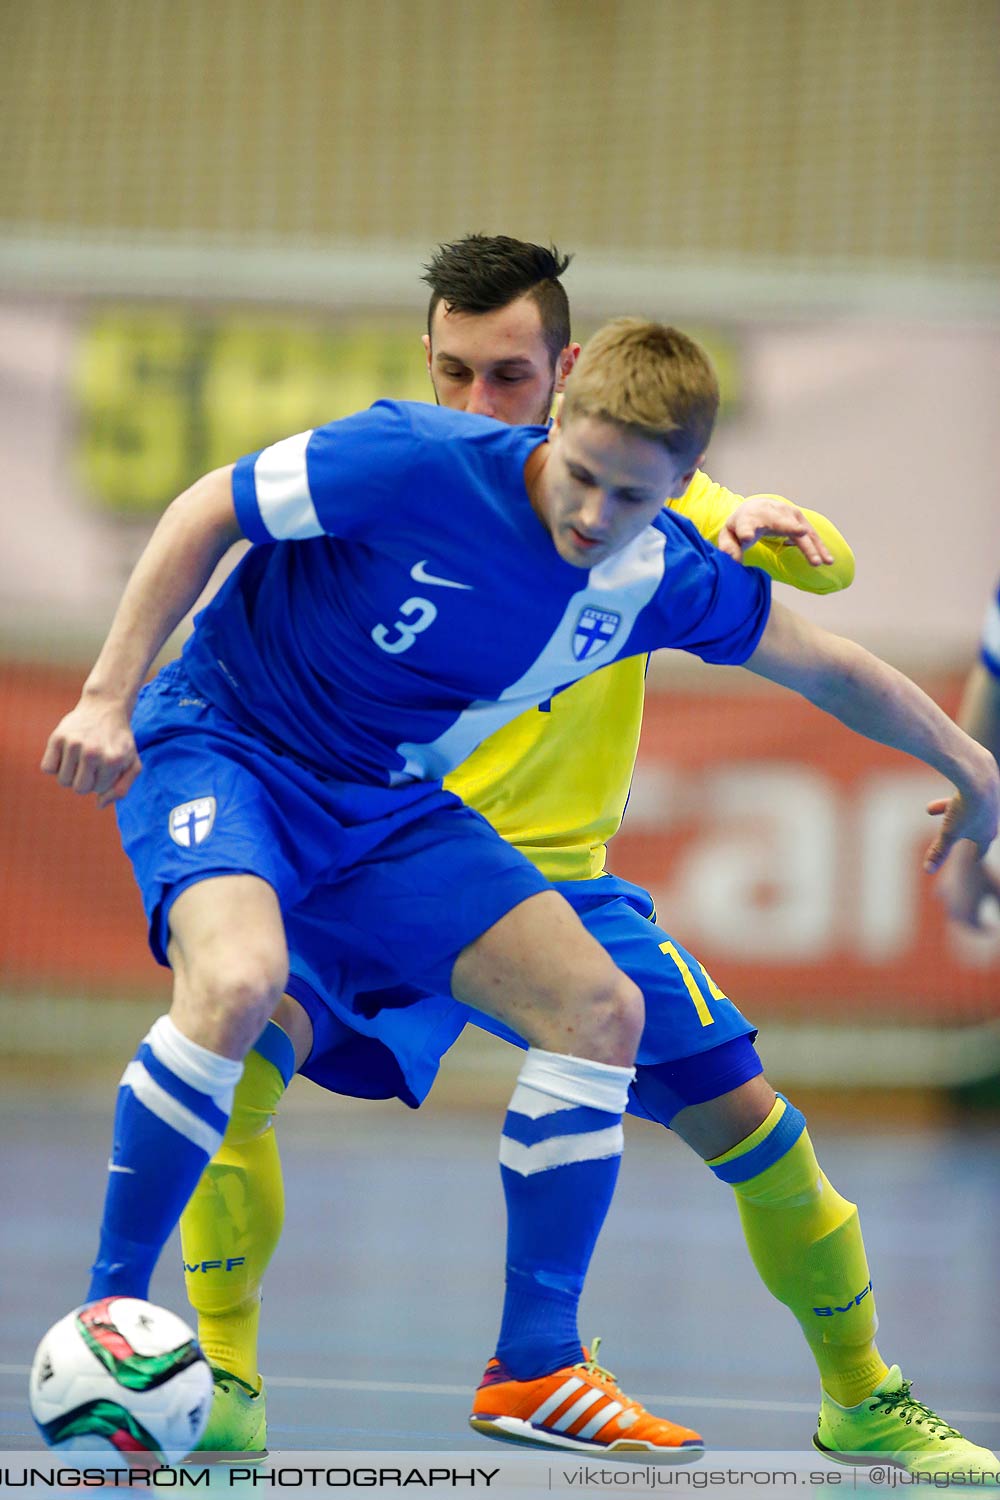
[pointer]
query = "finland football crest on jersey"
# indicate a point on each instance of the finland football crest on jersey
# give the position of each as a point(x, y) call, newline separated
point(191, 822)
point(594, 629)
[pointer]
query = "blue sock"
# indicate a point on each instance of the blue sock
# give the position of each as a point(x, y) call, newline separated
point(173, 1105)
point(559, 1157)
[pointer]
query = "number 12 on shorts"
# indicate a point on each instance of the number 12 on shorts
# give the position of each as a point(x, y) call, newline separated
point(690, 984)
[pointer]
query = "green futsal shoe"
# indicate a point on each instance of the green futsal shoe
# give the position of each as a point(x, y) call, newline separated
point(889, 1427)
point(237, 1423)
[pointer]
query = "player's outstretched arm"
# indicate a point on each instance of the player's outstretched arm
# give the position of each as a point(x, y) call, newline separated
point(878, 702)
point(795, 546)
point(92, 749)
point(967, 887)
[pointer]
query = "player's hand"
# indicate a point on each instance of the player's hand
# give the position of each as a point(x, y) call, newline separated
point(971, 814)
point(92, 750)
point(967, 888)
point(762, 516)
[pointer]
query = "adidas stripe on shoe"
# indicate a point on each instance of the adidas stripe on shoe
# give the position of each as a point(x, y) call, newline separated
point(578, 1409)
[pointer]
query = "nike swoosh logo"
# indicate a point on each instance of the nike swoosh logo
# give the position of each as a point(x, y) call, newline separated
point(113, 1168)
point(419, 574)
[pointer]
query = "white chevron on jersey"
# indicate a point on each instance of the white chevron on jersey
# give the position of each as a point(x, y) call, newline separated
point(624, 583)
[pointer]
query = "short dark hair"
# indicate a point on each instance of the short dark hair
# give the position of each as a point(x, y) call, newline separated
point(482, 272)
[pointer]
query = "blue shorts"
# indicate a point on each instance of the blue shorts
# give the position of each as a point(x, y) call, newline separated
point(341, 856)
point(695, 1038)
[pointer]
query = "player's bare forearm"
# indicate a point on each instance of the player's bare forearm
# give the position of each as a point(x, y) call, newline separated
point(91, 749)
point(968, 888)
point(194, 532)
point(878, 702)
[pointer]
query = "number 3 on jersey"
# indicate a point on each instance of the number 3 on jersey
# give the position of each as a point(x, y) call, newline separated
point(415, 616)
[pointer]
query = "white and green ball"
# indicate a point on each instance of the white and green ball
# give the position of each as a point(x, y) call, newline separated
point(124, 1376)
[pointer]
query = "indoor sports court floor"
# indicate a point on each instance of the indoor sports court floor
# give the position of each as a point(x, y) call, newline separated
point(383, 1304)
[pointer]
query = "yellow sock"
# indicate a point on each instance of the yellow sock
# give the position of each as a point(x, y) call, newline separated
point(233, 1221)
point(805, 1240)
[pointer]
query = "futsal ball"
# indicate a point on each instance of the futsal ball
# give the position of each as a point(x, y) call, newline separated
point(121, 1375)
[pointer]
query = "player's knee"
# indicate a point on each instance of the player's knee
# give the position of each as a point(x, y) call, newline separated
point(236, 991)
point(614, 1014)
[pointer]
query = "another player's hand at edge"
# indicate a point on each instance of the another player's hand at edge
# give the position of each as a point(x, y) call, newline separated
point(762, 516)
point(92, 750)
point(972, 813)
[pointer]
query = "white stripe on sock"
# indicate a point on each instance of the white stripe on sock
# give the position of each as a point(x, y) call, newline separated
point(528, 1101)
point(577, 1080)
point(198, 1066)
point(561, 1150)
point(170, 1110)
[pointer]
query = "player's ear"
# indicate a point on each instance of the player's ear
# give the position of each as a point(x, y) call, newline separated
point(564, 365)
point(687, 478)
point(425, 339)
point(682, 481)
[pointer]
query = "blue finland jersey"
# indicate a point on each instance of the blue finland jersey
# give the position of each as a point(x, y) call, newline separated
point(404, 600)
point(989, 648)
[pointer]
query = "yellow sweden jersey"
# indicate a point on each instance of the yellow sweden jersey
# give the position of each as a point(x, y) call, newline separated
point(555, 781)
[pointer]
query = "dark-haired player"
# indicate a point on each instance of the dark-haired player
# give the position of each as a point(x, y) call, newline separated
point(290, 797)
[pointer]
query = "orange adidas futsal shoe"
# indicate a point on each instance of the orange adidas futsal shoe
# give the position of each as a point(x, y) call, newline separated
point(578, 1409)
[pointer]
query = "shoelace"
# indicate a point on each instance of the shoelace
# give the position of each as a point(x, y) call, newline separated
point(593, 1368)
point(912, 1411)
point(221, 1377)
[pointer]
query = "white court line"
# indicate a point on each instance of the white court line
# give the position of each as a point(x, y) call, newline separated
point(411, 1388)
point(404, 1387)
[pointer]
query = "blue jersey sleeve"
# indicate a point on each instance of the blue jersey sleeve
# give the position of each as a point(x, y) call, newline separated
point(707, 603)
point(339, 480)
point(989, 646)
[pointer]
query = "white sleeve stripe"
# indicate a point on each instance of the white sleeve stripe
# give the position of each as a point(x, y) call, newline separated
point(281, 481)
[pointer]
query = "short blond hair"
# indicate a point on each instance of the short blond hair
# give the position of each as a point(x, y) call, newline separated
point(648, 378)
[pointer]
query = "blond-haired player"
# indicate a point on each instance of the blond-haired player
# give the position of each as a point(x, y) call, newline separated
point(289, 798)
point(555, 782)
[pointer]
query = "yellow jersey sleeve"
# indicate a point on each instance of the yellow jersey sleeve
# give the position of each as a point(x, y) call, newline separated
point(554, 782)
point(709, 506)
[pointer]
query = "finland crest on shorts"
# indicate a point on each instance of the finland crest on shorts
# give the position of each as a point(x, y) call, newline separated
point(190, 823)
point(594, 629)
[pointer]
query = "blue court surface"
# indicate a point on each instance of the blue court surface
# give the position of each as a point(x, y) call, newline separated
point(383, 1302)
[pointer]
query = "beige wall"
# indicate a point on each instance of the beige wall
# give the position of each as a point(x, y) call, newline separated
point(833, 132)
